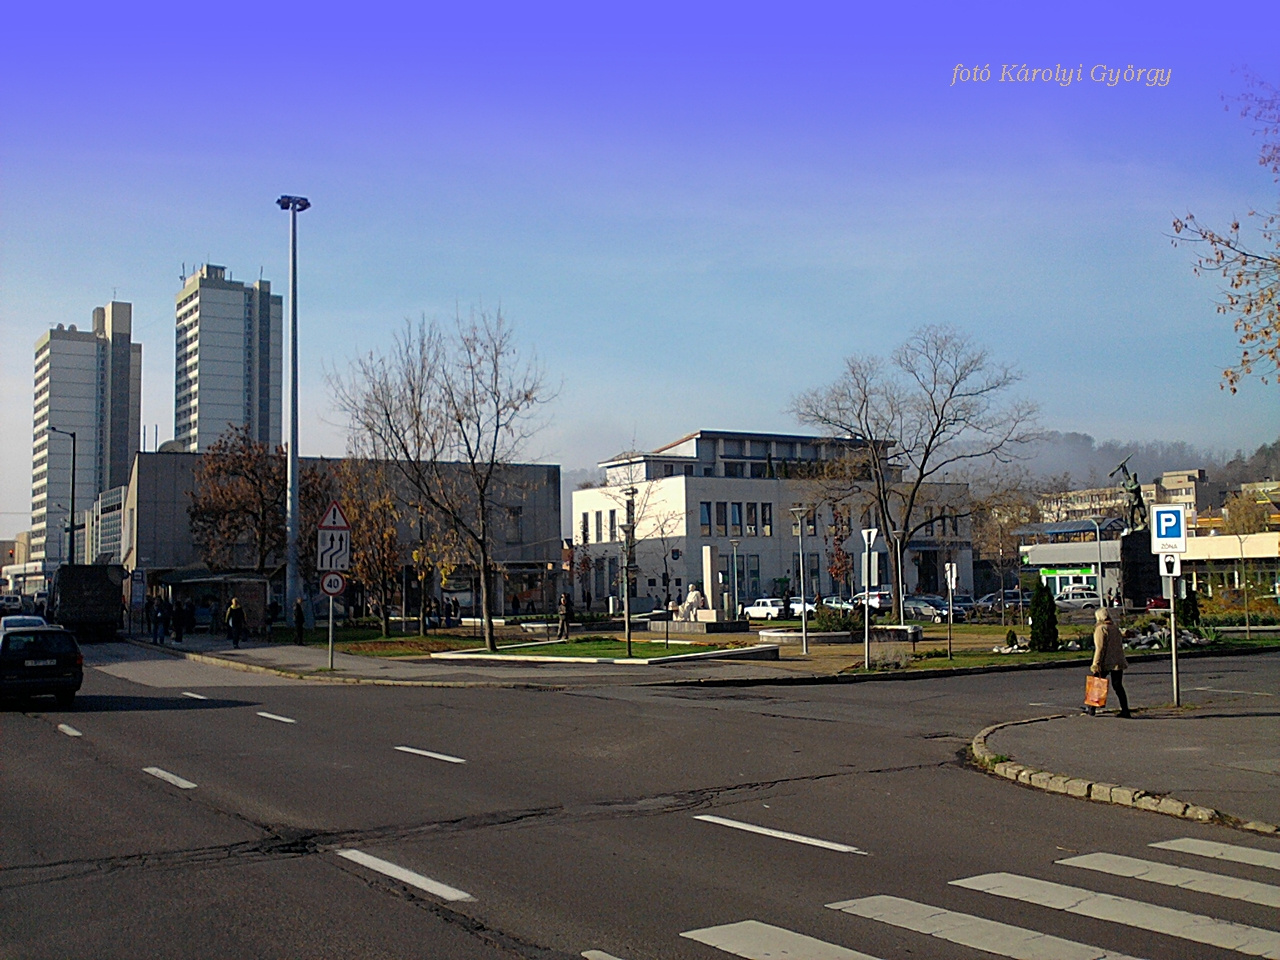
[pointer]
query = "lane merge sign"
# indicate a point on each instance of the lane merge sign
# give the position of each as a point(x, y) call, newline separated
point(1168, 528)
point(333, 540)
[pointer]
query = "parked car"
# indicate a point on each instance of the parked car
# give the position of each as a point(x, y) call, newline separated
point(1158, 603)
point(990, 603)
point(918, 608)
point(22, 620)
point(880, 599)
point(11, 603)
point(40, 660)
point(766, 608)
point(964, 601)
point(809, 606)
point(841, 604)
point(1078, 597)
point(939, 604)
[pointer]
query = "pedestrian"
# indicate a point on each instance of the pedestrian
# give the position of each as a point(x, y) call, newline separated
point(455, 610)
point(179, 621)
point(299, 621)
point(1108, 658)
point(189, 616)
point(148, 610)
point(160, 622)
point(235, 622)
point(515, 605)
point(566, 614)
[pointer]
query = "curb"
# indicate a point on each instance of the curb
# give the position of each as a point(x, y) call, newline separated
point(1098, 791)
point(326, 678)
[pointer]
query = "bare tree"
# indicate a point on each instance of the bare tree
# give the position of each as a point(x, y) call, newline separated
point(1252, 274)
point(1006, 501)
point(931, 415)
point(450, 412)
point(373, 512)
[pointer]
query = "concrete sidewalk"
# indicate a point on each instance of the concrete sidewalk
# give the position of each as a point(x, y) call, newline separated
point(1219, 752)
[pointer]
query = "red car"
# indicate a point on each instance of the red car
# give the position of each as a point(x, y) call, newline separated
point(1157, 603)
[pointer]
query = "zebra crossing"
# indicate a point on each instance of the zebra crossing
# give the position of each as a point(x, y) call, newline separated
point(756, 940)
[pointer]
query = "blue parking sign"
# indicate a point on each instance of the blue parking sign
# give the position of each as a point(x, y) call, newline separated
point(1168, 528)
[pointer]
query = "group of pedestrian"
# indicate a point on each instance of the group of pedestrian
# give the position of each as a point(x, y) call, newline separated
point(161, 617)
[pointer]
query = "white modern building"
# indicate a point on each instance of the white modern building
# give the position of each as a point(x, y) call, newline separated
point(87, 382)
point(734, 492)
point(228, 369)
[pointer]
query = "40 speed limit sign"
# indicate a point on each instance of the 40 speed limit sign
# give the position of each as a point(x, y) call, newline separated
point(332, 584)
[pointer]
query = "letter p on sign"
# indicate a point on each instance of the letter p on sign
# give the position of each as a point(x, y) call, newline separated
point(1168, 529)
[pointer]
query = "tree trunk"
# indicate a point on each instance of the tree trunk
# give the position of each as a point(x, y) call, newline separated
point(490, 642)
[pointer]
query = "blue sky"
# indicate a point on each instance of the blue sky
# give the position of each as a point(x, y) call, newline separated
point(690, 212)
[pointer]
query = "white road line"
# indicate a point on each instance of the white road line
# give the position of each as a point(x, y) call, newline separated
point(387, 868)
point(1222, 851)
point(754, 940)
point(194, 696)
point(782, 834)
point(168, 777)
point(1185, 878)
point(1002, 939)
point(275, 716)
point(598, 955)
point(1253, 941)
point(69, 730)
point(434, 756)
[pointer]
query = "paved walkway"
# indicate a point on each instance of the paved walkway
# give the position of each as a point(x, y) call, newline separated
point(1221, 750)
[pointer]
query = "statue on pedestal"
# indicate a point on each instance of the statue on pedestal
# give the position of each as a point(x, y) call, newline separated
point(691, 603)
point(1135, 506)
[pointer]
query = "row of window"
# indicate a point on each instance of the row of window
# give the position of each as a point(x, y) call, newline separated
point(584, 531)
point(735, 519)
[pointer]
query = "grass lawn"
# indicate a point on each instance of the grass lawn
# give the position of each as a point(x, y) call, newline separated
point(369, 641)
point(610, 647)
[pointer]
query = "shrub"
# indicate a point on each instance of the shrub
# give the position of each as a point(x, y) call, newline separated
point(827, 619)
point(1044, 620)
point(1011, 639)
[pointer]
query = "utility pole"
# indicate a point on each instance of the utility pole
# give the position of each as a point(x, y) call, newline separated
point(71, 508)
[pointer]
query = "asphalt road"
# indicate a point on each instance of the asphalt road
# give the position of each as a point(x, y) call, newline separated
point(279, 818)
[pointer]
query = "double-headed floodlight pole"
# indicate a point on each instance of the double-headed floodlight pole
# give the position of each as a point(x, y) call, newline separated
point(293, 578)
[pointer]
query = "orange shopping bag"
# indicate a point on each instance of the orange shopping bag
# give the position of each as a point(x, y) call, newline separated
point(1095, 691)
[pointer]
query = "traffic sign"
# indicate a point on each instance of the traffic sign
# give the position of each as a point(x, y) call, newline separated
point(1168, 528)
point(1170, 564)
point(333, 550)
point(334, 518)
point(869, 535)
point(952, 575)
point(332, 584)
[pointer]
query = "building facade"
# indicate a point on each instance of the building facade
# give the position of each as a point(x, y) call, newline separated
point(87, 382)
point(734, 492)
point(1191, 488)
point(228, 369)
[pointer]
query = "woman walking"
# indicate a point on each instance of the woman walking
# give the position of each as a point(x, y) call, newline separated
point(1108, 658)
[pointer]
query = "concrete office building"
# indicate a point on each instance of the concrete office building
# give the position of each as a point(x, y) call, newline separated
point(88, 382)
point(228, 370)
point(712, 488)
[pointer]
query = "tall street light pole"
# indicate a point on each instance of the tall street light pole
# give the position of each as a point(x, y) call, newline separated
point(293, 579)
point(734, 544)
point(1097, 532)
point(71, 510)
point(798, 513)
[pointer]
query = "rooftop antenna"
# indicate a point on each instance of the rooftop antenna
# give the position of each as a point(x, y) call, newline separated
point(183, 277)
point(113, 292)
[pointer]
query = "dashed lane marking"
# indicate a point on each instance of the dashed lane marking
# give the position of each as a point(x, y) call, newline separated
point(276, 717)
point(168, 777)
point(389, 869)
point(69, 730)
point(781, 834)
point(1252, 941)
point(1222, 851)
point(1250, 693)
point(1185, 878)
point(1002, 939)
point(754, 940)
point(194, 696)
point(434, 756)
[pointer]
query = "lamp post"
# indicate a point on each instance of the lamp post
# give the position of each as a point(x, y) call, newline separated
point(1097, 531)
point(734, 544)
point(868, 537)
point(293, 579)
point(798, 513)
point(898, 576)
point(71, 509)
point(627, 528)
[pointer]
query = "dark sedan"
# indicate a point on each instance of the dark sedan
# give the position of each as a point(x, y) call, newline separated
point(40, 660)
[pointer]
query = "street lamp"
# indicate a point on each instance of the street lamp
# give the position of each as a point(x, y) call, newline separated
point(627, 529)
point(1097, 531)
point(71, 512)
point(899, 576)
point(734, 544)
point(293, 580)
point(798, 513)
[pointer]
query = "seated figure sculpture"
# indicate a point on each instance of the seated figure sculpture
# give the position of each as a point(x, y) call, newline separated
point(691, 603)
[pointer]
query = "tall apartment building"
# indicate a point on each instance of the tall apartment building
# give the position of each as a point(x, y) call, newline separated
point(87, 382)
point(228, 369)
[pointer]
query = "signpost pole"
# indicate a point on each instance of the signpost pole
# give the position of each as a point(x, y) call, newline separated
point(331, 633)
point(1173, 639)
point(868, 538)
point(950, 609)
point(1169, 542)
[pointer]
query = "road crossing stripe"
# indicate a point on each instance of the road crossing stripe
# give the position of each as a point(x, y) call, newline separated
point(275, 716)
point(193, 696)
point(168, 777)
point(1253, 941)
point(1251, 693)
point(1222, 851)
point(69, 730)
point(782, 834)
point(1201, 881)
point(387, 868)
point(753, 940)
point(1002, 939)
point(434, 756)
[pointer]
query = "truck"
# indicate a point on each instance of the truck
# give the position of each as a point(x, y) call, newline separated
point(87, 599)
